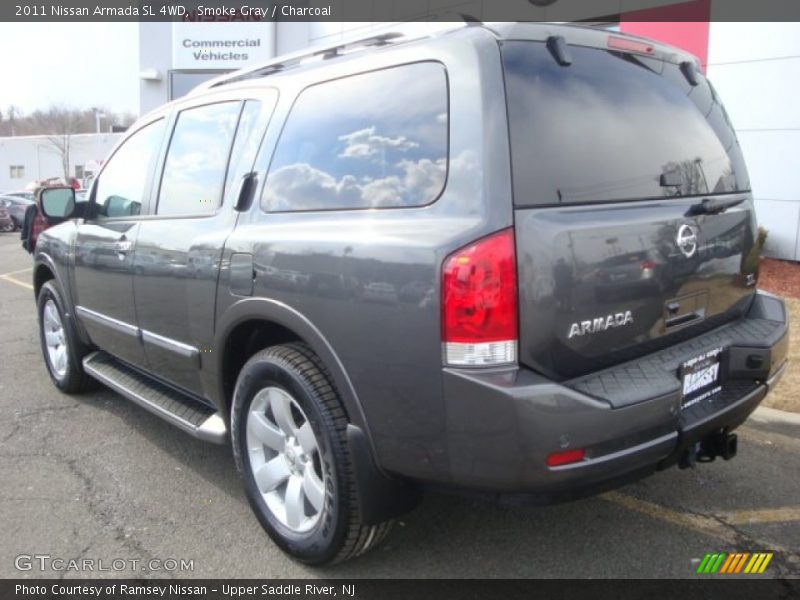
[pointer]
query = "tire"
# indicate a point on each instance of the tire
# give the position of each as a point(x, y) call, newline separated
point(67, 371)
point(291, 380)
point(7, 227)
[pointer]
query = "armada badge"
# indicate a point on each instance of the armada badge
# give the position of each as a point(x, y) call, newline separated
point(599, 324)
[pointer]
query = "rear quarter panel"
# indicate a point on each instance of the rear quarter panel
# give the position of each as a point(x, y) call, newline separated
point(368, 280)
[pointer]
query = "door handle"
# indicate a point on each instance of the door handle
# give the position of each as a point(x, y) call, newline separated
point(123, 246)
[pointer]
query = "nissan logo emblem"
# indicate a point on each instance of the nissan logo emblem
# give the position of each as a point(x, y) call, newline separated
point(687, 240)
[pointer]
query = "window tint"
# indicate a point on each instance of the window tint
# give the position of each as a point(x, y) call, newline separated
point(121, 186)
point(368, 141)
point(197, 159)
point(613, 126)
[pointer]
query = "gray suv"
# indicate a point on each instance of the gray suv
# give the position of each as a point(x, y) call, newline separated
point(518, 261)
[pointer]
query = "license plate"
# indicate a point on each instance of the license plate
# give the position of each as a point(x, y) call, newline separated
point(700, 377)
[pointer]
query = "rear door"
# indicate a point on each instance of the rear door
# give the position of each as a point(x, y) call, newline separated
point(178, 249)
point(634, 222)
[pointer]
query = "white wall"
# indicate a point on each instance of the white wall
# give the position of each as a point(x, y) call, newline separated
point(755, 67)
point(41, 160)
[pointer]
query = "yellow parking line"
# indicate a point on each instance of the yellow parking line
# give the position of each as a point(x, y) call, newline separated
point(18, 271)
point(6, 277)
point(698, 523)
point(762, 515)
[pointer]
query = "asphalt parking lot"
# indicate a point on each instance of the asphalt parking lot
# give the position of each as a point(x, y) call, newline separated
point(94, 476)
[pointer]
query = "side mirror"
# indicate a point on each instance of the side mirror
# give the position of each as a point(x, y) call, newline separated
point(58, 203)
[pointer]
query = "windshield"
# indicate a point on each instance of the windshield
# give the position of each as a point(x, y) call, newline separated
point(614, 126)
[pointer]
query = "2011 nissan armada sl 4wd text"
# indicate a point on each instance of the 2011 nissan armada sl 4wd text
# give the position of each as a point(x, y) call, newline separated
point(519, 260)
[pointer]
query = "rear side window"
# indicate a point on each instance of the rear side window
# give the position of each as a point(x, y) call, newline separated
point(373, 140)
point(613, 126)
point(197, 160)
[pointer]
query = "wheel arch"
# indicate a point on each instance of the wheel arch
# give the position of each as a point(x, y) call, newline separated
point(285, 324)
point(42, 273)
point(44, 270)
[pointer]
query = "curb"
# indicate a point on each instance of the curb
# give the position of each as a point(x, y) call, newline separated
point(765, 414)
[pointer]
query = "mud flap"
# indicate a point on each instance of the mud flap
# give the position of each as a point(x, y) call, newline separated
point(380, 498)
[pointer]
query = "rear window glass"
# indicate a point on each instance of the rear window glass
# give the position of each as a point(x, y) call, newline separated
point(613, 126)
point(373, 140)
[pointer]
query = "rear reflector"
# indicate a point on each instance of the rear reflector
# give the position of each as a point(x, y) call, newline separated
point(557, 459)
point(479, 303)
point(626, 45)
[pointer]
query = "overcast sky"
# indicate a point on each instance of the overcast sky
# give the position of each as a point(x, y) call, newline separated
point(77, 65)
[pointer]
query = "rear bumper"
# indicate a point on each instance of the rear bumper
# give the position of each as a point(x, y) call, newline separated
point(502, 425)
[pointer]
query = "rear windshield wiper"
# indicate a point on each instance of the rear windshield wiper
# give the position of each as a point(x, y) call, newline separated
point(712, 207)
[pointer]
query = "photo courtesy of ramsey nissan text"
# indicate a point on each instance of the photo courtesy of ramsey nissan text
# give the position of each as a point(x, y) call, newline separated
point(429, 298)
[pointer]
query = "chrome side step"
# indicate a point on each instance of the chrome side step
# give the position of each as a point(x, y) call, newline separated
point(195, 418)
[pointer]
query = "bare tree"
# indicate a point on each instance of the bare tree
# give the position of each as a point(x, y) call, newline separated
point(61, 144)
point(50, 121)
point(61, 123)
point(12, 113)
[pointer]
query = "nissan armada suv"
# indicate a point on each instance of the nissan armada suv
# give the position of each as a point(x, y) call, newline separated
point(519, 261)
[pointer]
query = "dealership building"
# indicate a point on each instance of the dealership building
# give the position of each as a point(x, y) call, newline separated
point(753, 66)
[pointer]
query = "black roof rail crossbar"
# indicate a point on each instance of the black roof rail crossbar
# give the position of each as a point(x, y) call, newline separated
point(375, 40)
point(286, 61)
point(289, 60)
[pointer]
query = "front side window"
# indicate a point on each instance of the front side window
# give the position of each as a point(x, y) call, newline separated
point(121, 186)
point(372, 140)
point(197, 160)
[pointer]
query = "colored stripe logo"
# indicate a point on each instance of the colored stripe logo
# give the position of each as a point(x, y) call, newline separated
point(738, 562)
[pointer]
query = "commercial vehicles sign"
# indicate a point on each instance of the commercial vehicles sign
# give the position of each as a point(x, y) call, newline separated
point(209, 45)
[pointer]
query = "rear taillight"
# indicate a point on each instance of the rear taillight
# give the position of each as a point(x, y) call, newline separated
point(479, 303)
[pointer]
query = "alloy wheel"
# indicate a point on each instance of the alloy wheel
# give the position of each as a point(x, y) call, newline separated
point(55, 339)
point(284, 459)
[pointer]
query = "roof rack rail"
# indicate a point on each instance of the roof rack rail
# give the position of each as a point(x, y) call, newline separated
point(285, 61)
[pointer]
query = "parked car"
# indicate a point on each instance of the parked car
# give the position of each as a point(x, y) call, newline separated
point(6, 221)
point(16, 207)
point(21, 194)
point(511, 172)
